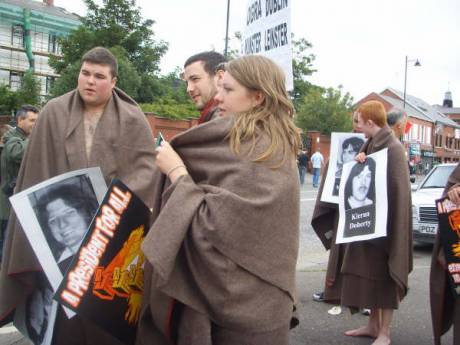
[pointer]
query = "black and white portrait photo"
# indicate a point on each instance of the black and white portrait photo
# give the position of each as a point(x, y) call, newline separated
point(35, 318)
point(344, 148)
point(360, 185)
point(64, 211)
point(349, 148)
point(55, 215)
point(363, 203)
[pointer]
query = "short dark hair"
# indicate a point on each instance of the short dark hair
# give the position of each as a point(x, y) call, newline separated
point(355, 143)
point(355, 171)
point(24, 110)
point(394, 116)
point(210, 59)
point(102, 56)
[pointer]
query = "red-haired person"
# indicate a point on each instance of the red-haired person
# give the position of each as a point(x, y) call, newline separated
point(375, 272)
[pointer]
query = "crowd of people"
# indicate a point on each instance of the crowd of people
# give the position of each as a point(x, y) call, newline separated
point(222, 248)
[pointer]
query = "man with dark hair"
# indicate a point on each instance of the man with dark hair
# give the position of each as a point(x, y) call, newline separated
point(201, 74)
point(96, 124)
point(15, 142)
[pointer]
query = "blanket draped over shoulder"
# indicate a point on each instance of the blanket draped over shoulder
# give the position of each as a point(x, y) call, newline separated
point(397, 245)
point(123, 147)
point(443, 302)
point(226, 240)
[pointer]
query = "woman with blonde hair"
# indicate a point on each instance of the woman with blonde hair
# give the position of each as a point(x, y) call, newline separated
point(223, 246)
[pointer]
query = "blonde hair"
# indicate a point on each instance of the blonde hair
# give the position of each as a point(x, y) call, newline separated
point(274, 116)
point(375, 111)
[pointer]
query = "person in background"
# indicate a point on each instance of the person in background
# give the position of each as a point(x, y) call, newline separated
point(202, 72)
point(397, 120)
point(317, 162)
point(14, 145)
point(302, 161)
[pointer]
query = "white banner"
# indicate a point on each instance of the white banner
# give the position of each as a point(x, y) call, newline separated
point(268, 32)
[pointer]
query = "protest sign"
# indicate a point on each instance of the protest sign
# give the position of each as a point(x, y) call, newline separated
point(449, 231)
point(54, 215)
point(105, 280)
point(363, 203)
point(268, 32)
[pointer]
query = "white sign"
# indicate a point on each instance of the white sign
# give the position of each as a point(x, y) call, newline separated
point(363, 206)
point(55, 215)
point(268, 32)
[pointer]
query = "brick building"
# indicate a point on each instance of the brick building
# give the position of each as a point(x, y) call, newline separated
point(433, 137)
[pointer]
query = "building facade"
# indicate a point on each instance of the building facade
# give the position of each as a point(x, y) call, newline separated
point(433, 136)
point(29, 33)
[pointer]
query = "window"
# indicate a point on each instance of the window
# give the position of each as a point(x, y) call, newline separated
point(15, 80)
point(49, 84)
point(17, 36)
point(52, 43)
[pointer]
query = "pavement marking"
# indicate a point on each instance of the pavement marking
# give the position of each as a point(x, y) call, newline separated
point(307, 199)
point(8, 330)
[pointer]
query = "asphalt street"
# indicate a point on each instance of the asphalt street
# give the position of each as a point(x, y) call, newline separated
point(411, 323)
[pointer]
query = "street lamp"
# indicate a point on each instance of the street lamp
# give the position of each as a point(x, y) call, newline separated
point(416, 64)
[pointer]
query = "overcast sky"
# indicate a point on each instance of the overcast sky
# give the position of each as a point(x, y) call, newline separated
point(360, 44)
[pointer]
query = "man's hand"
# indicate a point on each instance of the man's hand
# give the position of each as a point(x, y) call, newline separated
point(454, 195)
point(360, 157)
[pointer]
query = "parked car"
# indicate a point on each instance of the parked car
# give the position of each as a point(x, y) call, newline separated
point(424, 216)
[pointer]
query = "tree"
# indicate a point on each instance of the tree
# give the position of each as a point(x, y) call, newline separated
point(27, 93)
point(116, 25)
point(302, 67)
point(171, 99)
point(325, 110)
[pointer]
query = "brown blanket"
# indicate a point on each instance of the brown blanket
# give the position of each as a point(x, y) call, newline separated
point(226, 240)
point(122, 146)
point(397, 245)
point(324, 222)
point(443, 303)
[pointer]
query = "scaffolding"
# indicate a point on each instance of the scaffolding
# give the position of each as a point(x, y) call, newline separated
point(27, 40)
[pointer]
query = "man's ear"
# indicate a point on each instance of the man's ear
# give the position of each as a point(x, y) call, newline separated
point(218, 76)
point(114, 81)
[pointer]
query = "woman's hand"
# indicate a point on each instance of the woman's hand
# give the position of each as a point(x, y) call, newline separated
point(454, 195)
point(360, 157)
point(169, 162)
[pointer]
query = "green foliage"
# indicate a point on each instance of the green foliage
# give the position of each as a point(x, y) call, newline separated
point(8, 100)
point(325, 110)
point(27, 93)
point(302, 67)
point(169, 98)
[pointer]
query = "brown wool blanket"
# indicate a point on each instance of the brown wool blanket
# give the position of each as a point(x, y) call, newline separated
point(225, 242)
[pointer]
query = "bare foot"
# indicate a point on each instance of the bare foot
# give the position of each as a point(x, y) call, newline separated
point(382, 340)
point(365, 331)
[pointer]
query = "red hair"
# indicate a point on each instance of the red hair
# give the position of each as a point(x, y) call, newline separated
point(375, 111)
